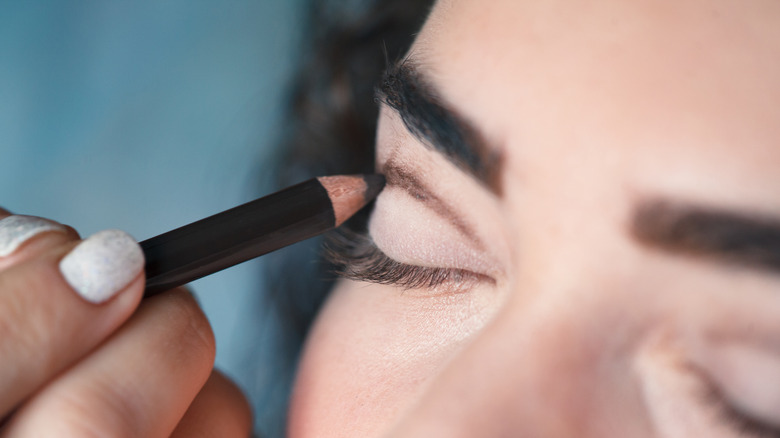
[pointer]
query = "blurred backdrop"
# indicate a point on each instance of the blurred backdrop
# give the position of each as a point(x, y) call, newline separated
point(145, 116)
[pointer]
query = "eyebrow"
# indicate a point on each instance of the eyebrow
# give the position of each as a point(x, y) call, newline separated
point(437, 125)
point(735, 238)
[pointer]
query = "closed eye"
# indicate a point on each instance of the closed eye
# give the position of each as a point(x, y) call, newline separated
point(740, 422)
point(356, 257)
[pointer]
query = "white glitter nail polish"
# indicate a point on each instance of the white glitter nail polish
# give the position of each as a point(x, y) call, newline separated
point(17, 229)
point(102, 265)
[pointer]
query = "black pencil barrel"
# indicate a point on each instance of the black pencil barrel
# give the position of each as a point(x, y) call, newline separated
point(220, 241)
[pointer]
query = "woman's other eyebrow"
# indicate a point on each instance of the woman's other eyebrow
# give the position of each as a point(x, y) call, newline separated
point(739, 239)
point(426, 116)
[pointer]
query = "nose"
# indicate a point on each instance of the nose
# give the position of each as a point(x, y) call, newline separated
point(557, 368)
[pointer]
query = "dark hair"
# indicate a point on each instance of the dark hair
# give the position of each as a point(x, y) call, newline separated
point(330, 130)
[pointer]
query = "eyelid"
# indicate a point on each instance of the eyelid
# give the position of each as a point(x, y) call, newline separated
point(407, 231)
point(404, 177)
point(356, 257)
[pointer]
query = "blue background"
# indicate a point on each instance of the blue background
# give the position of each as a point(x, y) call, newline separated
point(145, 116)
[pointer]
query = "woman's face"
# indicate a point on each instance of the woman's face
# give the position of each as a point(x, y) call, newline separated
point(590, 194)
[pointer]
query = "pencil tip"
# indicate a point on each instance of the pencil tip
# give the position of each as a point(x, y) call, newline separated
point(350, 193)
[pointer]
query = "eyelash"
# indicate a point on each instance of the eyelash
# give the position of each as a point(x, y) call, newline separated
point(356, 257)
point(741, 424)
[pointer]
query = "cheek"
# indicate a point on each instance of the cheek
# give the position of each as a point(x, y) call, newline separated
point(371, 353)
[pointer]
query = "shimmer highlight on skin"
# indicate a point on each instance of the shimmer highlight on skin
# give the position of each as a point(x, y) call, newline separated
point(400, 176)
point(411, 233)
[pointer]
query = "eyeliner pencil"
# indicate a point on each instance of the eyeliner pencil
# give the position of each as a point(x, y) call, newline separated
point(255, 228)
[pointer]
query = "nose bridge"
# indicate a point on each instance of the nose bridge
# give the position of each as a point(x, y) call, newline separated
point(541, 368)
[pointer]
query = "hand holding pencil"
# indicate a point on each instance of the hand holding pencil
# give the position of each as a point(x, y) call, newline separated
point(84, 355)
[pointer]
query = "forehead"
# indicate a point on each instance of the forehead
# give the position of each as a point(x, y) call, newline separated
point(654, 85)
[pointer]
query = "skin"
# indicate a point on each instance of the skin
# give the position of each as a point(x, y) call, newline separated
point(594, 107)
point(123, 368)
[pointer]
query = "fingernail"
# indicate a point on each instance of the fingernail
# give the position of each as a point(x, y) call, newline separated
point(102, 265)
point(17, 229)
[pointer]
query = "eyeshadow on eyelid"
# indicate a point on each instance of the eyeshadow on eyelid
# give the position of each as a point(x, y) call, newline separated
point(407, 231)
point(398, 175)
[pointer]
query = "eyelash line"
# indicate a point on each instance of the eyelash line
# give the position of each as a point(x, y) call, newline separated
point(739, 422)
point(356, 257)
